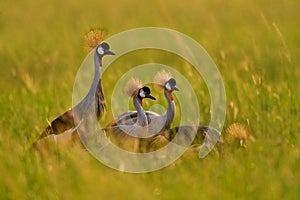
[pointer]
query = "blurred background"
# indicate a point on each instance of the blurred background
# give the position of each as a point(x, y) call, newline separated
point(255, 45)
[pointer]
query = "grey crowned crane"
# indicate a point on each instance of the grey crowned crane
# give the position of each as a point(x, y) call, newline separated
point(156, 122)
point(117, 133)
point(93, 101)
point(203, 138)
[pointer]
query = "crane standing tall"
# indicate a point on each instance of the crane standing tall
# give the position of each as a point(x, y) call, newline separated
point(94, 101)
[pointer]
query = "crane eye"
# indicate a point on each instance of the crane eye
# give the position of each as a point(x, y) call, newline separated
point(100, 50)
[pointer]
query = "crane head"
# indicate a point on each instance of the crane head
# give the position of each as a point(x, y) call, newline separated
point(143, 93)
point(102, 50)
point(171, 85)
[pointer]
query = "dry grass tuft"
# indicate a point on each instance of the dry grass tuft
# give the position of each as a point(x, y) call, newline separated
point(237, 134)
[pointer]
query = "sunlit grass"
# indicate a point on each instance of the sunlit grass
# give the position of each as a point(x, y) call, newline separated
point(255, 45)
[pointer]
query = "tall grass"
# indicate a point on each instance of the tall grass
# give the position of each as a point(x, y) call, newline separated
point(255, 44)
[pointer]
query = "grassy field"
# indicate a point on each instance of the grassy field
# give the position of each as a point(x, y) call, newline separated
point(256, 46)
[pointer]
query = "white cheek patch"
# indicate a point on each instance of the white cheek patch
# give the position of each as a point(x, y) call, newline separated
point(142, 94)
point(100, 51)
point(168, 87)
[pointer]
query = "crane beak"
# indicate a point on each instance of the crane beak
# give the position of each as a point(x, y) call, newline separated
point(108, 52)
point(175, 88)
point(150, 97)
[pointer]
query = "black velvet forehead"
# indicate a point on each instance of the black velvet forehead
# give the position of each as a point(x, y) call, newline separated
point(104, 45)
point(172, 81)
point(146, 90)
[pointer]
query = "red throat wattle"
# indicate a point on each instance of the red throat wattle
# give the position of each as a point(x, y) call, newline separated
point(141, 102)
point(171, 96)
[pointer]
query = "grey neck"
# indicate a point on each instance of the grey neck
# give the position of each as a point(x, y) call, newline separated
point(97, 75)
point(90, 104)
point(100, 104)
point(170, 113)
point(141, 115)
